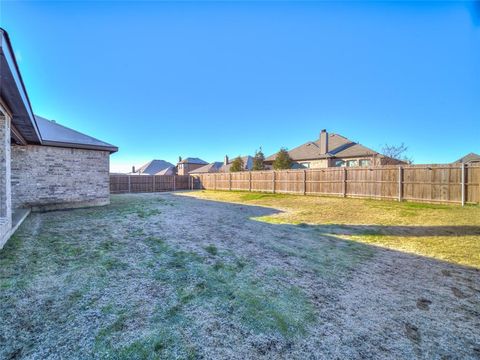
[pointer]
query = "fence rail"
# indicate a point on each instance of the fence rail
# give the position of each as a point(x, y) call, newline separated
point(456, 183)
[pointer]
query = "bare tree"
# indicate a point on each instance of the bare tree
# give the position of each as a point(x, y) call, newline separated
point(397, 152)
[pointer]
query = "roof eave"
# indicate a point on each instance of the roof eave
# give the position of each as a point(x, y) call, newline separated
point(6, 51)
point(110, 149)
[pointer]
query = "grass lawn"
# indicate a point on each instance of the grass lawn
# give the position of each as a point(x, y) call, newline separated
point(446, 232)
point(200, 275)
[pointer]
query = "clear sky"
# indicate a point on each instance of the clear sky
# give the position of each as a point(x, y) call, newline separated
point(206, 79)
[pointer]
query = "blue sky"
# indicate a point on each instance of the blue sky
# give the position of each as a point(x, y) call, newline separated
point(206, 79)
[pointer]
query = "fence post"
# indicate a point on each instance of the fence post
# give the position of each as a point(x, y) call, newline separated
point(463, 184)
point(129, 184)
point(273, 181)
point(230, 181)
point(153, 183)
point(174, 182)
point(400, 183)
point(304, 182)
point(249, 181)
point(344, 182)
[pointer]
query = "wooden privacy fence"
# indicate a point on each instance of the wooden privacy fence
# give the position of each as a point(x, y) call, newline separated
point(149, 183)
point(456, 183)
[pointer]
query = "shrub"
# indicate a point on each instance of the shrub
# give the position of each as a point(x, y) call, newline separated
point(258, 160)
point(282, 160)
point(237, 164)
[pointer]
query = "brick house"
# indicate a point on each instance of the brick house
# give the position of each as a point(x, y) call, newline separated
point(334, 150)
point(217, 166)
point(187, 165)
point(44, 165)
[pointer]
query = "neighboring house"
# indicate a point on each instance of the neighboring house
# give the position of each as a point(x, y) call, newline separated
point(224, 166)
point(44, 165)
point(171, 170)
point(469, 159)
point(333, 150)
point(209, 168)
point(152, 167)
point(185, 166)
point(227, 163)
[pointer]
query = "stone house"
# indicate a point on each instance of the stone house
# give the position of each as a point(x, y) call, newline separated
point(334, 150)
point(44, 165)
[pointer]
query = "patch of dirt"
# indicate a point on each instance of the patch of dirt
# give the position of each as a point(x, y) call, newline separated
point(423, 304)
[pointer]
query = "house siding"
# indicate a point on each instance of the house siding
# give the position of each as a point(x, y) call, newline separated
point(50, 178)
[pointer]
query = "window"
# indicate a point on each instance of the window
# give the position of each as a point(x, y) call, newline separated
point(339, 163)
point(306, 164)
point(365, 162)
point(352, 163)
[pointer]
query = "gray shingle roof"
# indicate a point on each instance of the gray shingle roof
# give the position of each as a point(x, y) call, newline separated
point(472, 157)
point(338, 146)
point(209, 168)
point(54, 134)
point(167, 171)
point(153, 167)
point(247, 164)
point(192, 160)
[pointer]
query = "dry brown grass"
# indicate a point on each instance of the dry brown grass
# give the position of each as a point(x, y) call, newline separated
point(446, 232)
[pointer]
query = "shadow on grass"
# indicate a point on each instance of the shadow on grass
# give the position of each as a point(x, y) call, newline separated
point(273, 295)
point(453, 244)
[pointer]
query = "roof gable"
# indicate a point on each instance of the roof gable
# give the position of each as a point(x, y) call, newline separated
point(153, 167)
point(472, 157)
point(192, 160)
point(338, 146)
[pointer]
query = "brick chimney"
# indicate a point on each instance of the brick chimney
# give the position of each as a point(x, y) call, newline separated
point(323, 141)
point(225, 160)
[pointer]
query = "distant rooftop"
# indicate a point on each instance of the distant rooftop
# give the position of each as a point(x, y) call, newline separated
point(209, 168)
point(472, 157)
point(154, 167)
point(192, 160)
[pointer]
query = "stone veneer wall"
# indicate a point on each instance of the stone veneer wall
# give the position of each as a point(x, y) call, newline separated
point(5, 189)
point(50, 178)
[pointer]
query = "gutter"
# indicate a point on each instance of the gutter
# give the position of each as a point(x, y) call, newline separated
point(111, 149)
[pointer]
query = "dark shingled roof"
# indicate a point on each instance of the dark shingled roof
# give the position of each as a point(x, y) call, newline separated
point(247, 164)
point(472, 157)
point(338, 146)
point(154, 167)
point(191, 160)
point(209, 168)
point(54, 134)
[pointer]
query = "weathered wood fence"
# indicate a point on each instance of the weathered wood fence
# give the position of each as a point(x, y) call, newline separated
point(150, 183)
point(456, 183)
